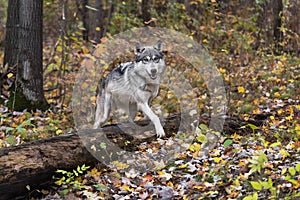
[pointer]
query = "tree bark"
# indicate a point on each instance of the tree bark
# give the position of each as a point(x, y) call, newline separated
point(146, 15)
point(108, 18)
point(84, 13)
point(11, 36)
point(26, 52)
point(98, 29)
point(278, 34)
point(10, 45)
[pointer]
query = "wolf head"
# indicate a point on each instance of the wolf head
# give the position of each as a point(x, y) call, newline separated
point(150, 61)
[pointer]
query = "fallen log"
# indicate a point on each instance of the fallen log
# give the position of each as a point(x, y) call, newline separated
point(33, 164)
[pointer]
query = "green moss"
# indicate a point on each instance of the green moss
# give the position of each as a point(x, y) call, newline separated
point(19, 102)
point(247, 108)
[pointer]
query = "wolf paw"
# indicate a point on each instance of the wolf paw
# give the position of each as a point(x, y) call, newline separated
point(160, 134)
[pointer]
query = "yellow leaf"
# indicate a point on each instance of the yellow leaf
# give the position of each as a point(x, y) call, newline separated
point(218, 159)
point(291, 110)
point(126, 188)
point(59, 49)
point(256, 111)
point(289, 118)
point(241, 163)
point(9, 75)
point(195, 147)
point(280, 111)
point(284, 171)
point(98, 28)
point(6, 87)
point(237, 183)
point(222, 70)
point(170, 184)
point(236, 136)
point(182, 166)
point(246, 117)
point(284, 154)
point(297, 129)
point(199, 187)
point(241, 89)
point(160, 173)
point(94, 172)
point(105, 67)
point(256, 101)
point(85, 50)
point(119, 165)
point(277, 94)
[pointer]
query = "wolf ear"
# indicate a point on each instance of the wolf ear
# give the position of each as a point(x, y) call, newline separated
point(137, 49)
point(158, 45)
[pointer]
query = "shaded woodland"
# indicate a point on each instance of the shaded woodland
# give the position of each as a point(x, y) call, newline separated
point(255, 47)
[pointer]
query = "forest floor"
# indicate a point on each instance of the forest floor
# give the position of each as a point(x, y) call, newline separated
point(263, 163)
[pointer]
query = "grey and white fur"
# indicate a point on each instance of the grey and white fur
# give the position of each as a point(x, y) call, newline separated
point(132, 86)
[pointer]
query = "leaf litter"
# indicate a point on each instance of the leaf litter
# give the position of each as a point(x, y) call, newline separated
point(257, 159)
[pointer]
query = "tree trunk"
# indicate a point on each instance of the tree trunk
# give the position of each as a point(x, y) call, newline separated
point(11, 45)
point(11, 36)
point(108, 18)
point(146, 15)
point(26, 52)
point(98, 29)
point(83, 10)
point(278, 34)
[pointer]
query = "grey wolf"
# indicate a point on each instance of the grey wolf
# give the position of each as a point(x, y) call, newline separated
point(132, 86)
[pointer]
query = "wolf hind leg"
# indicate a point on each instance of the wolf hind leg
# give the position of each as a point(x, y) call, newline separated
point(132, 111)
point(102, 109)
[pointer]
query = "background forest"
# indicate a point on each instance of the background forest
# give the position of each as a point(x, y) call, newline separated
point(255, 45)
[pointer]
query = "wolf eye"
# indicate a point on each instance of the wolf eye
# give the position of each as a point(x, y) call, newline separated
point(146, 60)
point(156, 59)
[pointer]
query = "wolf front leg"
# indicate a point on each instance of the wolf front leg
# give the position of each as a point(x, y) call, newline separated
point(103, 105)
point(147, 111)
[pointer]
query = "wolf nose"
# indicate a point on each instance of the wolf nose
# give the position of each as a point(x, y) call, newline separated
point(153, 71)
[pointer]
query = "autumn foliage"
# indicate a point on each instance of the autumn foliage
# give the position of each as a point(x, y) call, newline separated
point(257, 156)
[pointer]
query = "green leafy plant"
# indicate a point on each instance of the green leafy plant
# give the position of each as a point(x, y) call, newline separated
point(20, 129)
point(290, 173)
point(252, 126)
point(69, 178)
point(267, 185)
point(258, 162)
point(227, 143)
point(253, 196)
